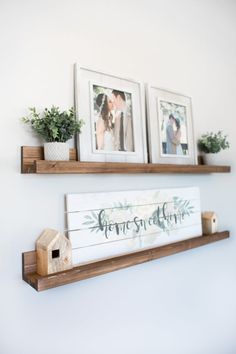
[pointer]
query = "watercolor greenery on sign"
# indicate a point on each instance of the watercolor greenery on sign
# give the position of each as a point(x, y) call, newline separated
point(93, 221)
point(123, 218)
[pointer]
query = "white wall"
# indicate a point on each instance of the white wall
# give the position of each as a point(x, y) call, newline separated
point(183, 304)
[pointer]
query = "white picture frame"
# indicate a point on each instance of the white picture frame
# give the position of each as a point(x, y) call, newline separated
point(170, 127)
point(101, 138)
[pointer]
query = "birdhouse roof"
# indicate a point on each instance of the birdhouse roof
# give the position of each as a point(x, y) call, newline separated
point(208, 214)
point(47, 238)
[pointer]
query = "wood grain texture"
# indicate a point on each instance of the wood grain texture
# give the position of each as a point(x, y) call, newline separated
point(32, 162)
point(64, 167)
point(108, 265)
point(48, 242)
point(30, 154)
point(102, 225)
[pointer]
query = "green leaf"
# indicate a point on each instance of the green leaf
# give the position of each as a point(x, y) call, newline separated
point(88, 223)
point(53, 125)
point(87, 217)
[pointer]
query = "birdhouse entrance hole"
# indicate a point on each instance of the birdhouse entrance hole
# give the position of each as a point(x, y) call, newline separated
point(55, 253)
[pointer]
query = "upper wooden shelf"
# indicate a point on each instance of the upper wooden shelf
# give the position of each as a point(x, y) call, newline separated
point(93, 269)
point(32, 162)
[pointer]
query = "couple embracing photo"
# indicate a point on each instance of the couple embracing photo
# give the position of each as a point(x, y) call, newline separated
point(173, 128)
point(113, 120)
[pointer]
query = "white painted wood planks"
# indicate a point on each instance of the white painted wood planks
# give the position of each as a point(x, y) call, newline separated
point(102, 225)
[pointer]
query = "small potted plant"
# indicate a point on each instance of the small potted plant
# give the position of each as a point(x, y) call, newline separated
point(211, 144)
point(56, 128)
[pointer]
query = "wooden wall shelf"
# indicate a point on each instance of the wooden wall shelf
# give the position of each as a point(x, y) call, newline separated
point(32, 162)
point(108, 265)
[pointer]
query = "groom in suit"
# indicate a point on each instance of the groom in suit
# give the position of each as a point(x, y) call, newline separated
point(123, 127)
point(171, 139)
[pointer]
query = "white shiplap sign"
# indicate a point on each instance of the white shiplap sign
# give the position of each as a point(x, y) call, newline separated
point(102, 225)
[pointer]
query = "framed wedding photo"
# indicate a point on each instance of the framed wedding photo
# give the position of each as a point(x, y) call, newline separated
point(113, 109)
point(170, 127)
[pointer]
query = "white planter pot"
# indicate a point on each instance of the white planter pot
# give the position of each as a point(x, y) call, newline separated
point(219, 158)
point(56, 151)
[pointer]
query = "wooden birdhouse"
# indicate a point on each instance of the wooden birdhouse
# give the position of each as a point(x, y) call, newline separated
point(53, 252)
point(209, 222)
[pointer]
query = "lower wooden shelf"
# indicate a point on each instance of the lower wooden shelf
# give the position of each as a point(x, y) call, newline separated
point(108, 265)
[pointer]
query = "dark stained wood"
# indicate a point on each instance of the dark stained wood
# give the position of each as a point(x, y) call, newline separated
point(63, 167)
point(109, 265)
point(30, 154)
point(32, 162)
point(200, 160)
point(28, 262)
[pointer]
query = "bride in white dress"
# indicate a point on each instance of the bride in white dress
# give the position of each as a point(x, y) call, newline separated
point(104, 124)
point(179, 150)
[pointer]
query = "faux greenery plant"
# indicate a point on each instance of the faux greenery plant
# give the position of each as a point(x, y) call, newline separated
point(54, 125)
point(213, 142)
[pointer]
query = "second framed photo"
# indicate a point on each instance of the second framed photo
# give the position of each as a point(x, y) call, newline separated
point(170, 127)
point(113, 109)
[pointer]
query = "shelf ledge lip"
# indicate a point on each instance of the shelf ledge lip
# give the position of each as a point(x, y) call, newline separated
point(80, 167)
point(100, 267)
